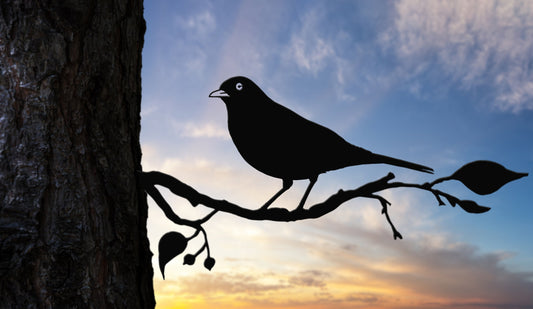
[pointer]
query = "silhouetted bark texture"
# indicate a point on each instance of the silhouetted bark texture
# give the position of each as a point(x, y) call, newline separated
point(72, 218)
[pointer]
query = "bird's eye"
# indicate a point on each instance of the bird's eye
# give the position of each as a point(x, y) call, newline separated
point(238, 86)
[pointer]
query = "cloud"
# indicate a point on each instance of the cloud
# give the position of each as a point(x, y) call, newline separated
point(412, 275)
point(228, 283)
point(477, 44)
point(310, 266)
point(324, 50)
point(309, 278)
point(204, 130)
point(292, 289)
point(429, 269)
point(368, 298)
point(250, 42)
point(256, 283)
point(183, 49)
point(308, 48)
point(200, 25)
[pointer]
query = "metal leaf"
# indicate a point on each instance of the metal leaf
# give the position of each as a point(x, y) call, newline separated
point(472, 207)
point(209, 263)
point(485, 177)
point(189, 259)
point(170, 245)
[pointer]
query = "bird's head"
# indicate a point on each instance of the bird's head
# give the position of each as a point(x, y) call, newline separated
point(237, 89)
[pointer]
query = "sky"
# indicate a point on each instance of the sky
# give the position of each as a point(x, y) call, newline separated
point(441, 83)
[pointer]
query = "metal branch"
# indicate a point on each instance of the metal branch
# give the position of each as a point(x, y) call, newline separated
point(385, 211)
point(151, 179)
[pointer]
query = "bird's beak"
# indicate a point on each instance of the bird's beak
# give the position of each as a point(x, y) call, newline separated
point(218, 94)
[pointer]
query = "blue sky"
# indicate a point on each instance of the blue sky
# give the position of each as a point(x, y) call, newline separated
point(440, 83)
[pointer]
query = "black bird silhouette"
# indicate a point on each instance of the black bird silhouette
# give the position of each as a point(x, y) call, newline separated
point(282, 144)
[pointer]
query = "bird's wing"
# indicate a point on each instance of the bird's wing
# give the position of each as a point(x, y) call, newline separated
point(309, 145)
point(319, 149)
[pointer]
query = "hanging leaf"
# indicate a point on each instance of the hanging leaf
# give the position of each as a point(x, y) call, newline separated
point(485, 177)
point(209, 263)
point(189, 259)
point(472, 207)
point(170, 245)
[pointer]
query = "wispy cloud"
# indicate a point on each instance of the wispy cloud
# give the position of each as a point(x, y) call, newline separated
point(317, 47)
point(250, 46)
point(262, 290)
point(186, 55)
point(199, 26)
point(202, 130)
point(478, 44)
point(230, 283)
point(310, 278)
point(308, 48)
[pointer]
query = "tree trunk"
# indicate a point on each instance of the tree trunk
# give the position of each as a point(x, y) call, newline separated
point(72, 216)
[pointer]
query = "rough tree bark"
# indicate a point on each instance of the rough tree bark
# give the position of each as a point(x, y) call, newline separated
point(72, 218)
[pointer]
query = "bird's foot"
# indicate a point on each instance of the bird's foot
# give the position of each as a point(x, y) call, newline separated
point(312, 182)
point(286, 185)
point(300, 206)
point(267, 204)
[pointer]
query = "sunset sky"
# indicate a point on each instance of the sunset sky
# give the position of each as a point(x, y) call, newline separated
point(440, 83)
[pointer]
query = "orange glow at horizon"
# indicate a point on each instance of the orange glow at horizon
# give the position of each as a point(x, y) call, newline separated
point(335, 295)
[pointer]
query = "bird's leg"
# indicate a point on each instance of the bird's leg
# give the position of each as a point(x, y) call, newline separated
point(312, 181)
point(287, 183)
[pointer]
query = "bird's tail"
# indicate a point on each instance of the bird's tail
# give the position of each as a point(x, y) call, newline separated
point(377, 158)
